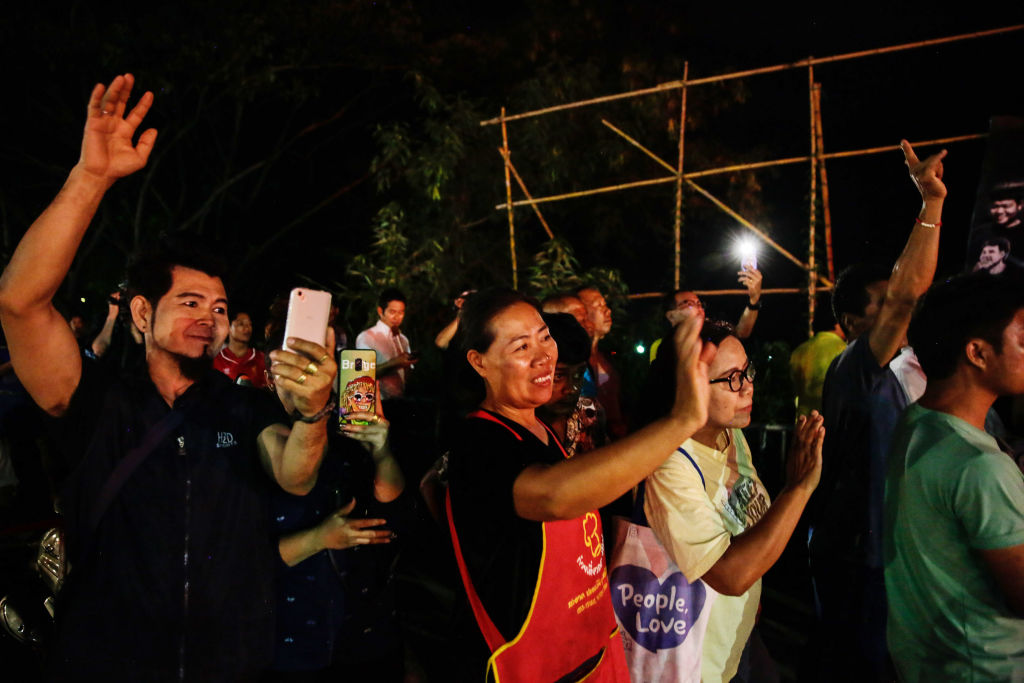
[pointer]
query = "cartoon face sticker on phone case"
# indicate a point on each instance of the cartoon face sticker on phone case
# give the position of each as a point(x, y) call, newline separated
point(357, 398)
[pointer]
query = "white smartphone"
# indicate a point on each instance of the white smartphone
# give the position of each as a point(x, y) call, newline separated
point(308, 313)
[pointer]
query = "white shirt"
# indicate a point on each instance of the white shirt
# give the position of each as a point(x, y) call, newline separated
point(388, 345)
point(909, 373)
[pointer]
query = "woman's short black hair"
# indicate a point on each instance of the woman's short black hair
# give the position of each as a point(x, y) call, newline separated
point(660, 388)
point(475, 333)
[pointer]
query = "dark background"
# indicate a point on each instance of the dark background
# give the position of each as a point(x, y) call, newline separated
point(286, 128)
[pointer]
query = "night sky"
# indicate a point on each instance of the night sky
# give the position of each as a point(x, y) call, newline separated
point(224, 98)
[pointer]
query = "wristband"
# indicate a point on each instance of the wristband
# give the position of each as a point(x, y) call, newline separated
point(928, 225)
point(754, 307)
point(317, 416)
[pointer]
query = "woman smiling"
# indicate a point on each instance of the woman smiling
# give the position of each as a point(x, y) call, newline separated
point(523, 516)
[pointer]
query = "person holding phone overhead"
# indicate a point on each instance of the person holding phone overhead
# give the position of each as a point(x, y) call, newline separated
point(523, 517)
point(171, 469)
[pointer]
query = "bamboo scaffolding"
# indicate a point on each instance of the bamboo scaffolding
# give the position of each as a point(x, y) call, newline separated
point(714, 200)
point(813, 218)
point(826, 211)
point(722, 292)
point(753, 228)
point(508, 201)
point(636, 143)
point(522, 186)
point(737, 167)
point(678, 225)
point(672, 85)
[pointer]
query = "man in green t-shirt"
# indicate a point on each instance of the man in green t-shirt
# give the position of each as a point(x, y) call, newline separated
point(954, 502)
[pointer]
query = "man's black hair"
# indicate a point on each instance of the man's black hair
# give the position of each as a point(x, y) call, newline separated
point(388, 295)
point(1001, 242)
point(1013, 190)
point(850, 294)
point(975, 305)
point(149, 269)
point(573, 341)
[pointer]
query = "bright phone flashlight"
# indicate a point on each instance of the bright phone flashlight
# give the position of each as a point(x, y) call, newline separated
point(746, 250)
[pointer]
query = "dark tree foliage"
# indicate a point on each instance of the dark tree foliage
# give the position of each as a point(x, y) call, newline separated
point(337, 142)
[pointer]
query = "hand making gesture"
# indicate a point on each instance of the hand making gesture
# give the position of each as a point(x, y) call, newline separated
point(339, 531)
point(107, 149)
point(927, 174)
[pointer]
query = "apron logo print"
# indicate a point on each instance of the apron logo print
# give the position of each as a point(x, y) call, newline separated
point(226, 440)
point(591, 535)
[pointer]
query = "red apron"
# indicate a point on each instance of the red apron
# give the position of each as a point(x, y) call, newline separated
point(570, 632)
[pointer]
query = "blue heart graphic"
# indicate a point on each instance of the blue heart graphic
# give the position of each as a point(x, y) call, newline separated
point(658, 615)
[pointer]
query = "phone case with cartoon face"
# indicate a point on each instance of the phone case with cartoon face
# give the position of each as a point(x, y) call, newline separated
point(357, 386)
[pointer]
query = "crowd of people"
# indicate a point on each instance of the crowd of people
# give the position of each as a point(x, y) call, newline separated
point(222, 525)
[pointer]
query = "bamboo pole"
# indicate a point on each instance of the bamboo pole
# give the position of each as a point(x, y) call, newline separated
point(672, 85)
point(826, 211)
point(890, 148)
point(737, 167)
point(813, 218)
point(636, 143)
point(587, 193)
point(720, 292)
point(508, 201)
point(679, 177)
point(522, 186)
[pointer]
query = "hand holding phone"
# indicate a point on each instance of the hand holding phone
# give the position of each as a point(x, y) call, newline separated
point(308, 312)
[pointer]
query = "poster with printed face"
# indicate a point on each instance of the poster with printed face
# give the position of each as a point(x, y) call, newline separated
point(996, 240)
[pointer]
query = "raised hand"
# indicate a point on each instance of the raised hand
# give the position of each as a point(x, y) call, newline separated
point(304, 380)
point(751, 279)
point(107, 149)
point(927, 174)
point(694, 355)
point(339, 531)
point(803, 466)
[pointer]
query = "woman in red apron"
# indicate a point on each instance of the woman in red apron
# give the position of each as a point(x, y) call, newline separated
point(523, 517)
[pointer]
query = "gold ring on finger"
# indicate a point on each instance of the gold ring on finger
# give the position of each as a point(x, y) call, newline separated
point(324, 359)
point(310, 369)
point(301, 379)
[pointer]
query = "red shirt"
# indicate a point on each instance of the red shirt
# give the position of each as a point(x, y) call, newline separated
point(251, 366)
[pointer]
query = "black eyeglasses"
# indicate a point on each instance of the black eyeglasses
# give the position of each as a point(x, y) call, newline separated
point(736, 378)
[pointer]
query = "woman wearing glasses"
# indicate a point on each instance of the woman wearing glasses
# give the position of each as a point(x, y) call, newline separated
point(710, 510)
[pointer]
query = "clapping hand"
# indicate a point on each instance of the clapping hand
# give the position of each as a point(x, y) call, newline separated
point(803, 466)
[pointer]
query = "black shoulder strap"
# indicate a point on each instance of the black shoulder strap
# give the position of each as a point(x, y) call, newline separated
point(128, 464)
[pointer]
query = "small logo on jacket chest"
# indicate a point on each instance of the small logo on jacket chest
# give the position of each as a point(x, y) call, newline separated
point(226, 440)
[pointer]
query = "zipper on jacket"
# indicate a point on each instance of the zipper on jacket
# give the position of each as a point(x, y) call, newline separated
point(185, 587)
